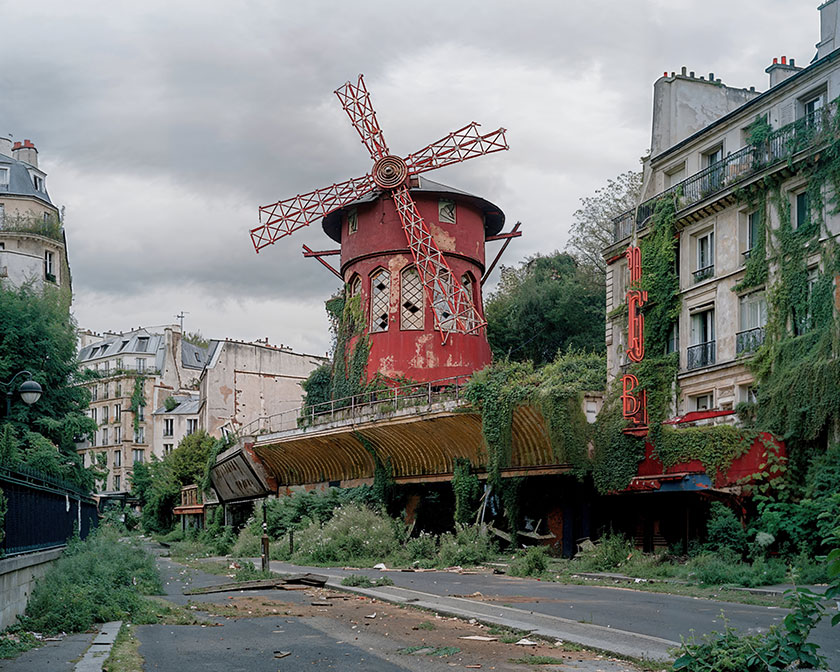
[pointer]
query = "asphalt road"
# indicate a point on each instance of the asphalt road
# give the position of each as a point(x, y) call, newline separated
point(655, 614)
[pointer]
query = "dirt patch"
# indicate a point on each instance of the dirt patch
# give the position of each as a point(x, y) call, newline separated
point(415, 632)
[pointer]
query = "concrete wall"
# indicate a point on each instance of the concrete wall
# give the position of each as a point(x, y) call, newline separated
point(246, 381)
point(18, 575)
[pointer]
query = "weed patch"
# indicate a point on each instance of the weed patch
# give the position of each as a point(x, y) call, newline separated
point(361, 581)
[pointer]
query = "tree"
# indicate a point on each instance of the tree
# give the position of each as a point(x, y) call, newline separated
point(38, 335)
point(547, 304)
point(197, 339)
point(190, 457)
point(592, 229)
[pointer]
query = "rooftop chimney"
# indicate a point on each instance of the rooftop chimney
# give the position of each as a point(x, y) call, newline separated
point(829, 27)
point(779, 72)
point(26, 153)
point(5, 146)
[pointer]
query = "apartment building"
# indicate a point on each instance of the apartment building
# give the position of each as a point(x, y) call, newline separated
point(137, 372)
point(33, 249)
point(177, 418)
point(703, 158)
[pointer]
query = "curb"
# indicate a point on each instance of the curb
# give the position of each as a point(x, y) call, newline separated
point(611, 640)
point(99, 649)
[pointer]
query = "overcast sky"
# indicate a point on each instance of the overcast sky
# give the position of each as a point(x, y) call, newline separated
point(164, 125)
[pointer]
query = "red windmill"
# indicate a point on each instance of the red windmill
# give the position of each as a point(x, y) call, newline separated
point(454, 307)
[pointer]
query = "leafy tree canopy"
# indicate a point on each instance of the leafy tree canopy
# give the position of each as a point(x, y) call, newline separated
point(190, 457)
point(546, 304)
point(592, 229)
point(38, 335)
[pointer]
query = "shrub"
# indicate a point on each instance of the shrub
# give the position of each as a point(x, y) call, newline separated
point(361, 581)
point(468, 545)
point(97, 580)
point(247, 544)
point(422, 548)
point(533, 563)
point(355, 535)
point(248, 572)
point(725, 568)
point(724, 530)
point(611, 552)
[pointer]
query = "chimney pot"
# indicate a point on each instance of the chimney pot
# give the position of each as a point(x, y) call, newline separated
point(784, 60)
point(665, 74)
point(711, 76)
point(792, 63)
point(17, 145)
point(775, 61)
point(691, 74)
point(683, 71)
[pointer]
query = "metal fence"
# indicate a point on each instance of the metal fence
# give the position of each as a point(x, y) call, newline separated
point(386, 400)
point(779, 146)
point(42, 512)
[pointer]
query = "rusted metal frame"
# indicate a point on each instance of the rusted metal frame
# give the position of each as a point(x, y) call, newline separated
point(435, 273)
point(465, 143)
point(320, 253)
point(508, 237)
point(356, 102)
point(503, 236)
point(310, 253)
point(287, 216)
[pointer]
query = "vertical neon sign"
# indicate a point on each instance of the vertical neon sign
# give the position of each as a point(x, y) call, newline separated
point(633, 400)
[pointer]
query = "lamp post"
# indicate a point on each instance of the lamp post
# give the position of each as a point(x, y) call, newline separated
point(30, 390)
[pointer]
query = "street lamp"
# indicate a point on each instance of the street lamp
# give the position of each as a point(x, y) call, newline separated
point(30, 390)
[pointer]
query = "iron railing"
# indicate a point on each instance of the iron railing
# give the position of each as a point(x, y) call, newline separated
point(749, 340)
point(43, 511)
point(779, 146)
point(700, 355)
point(704, 273)
point(353, 408)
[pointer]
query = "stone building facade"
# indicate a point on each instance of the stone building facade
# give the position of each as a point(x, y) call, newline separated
point(702, 157)
point(33, 249)
point(137, 372)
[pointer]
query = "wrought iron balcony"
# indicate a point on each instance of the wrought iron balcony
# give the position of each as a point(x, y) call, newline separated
point(749, 340)
point(700, 355)
point(780, 145)
point(704, 273)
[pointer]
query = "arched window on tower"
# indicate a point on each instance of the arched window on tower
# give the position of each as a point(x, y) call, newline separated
point(380, 290)
point(355, 286)
point(411, 300)
point(441, 305)
point(468, 281)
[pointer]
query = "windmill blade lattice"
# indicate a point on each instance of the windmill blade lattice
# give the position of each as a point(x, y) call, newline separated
point(452, 304)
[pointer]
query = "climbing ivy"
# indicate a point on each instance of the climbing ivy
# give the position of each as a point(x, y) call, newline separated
point(3, 509)
point(384, 488)
point(467, 488)
point(137, 400)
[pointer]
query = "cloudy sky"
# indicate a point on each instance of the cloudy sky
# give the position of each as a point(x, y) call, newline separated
point(164, 125)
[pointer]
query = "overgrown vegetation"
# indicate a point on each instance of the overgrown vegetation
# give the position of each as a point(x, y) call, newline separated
point(97, 580)
point(37, 334)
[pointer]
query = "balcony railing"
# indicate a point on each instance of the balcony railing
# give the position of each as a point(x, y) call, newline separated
point(704, 273)
point(779, 146)
point(749, 340)
point(701, 355)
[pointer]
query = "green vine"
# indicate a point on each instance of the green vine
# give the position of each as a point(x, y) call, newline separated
point(467, 489)
point(137, 400)
point(4, 506)
point(715, 446)
point(384, 488)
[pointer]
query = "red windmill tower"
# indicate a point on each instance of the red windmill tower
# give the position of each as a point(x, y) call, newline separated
point(412, 248)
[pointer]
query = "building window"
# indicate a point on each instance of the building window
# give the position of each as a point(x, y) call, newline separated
point(140, 364)
point(4, 177)
point(802, 323)
point(168, 426)
point(411, 300)
point(713, 179)
point(117, 481)
point(446, 211)
point(750, 232)
point(380, 287)
point(118, 458)
point(167, 448)
point(137, 455)
point(747, 394)
point(355, 285)
point(673, 339)
point(118, 392)
point(352, 221)
point(753, 317)
point(441, 304)
point(811, 109)
point(802, 215)
point(104, 415)
point(2, 219)
point(705, 256)
point(143, 344)
point(702, 402)
point(93, 411)
point(104, 436)
point(117, 434)
point(140, 435)
point(49, 266)
point(141, 412)
point(38, 182)
point(122, 346)
point(674, 175)
point(117, 412)
point(192, 425)
point(701, 352)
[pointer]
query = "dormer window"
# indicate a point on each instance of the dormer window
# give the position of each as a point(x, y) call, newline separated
point(142, 344)
point(4, 177)
point(38, 181)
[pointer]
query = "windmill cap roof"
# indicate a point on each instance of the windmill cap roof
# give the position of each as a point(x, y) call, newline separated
point(494, 218)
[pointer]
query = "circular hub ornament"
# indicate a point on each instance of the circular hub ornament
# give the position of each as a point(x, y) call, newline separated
point(390, 172)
